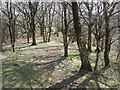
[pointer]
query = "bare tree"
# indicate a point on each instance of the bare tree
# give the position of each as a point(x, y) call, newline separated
point(107, 17)
point(9, 12)
point(80, 41)
point(33, 10)
point(65, 30)
point(89, 6)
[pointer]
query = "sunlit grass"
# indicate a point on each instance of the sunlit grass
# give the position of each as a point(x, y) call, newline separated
point(27, 73)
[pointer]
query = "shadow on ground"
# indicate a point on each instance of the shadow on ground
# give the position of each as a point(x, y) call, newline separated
point(70, 81)
point(19, 76)
point(50, 65)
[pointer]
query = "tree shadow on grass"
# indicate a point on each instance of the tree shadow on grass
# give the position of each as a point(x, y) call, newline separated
point(95, 75)
point(16, 48)
point(27, 75)
point(50, 65)
point(51, 47)
point(116, 68)
point(70, 80)
point(19, 76)
point(99, 78)
point(22, 47)
point(40, 48)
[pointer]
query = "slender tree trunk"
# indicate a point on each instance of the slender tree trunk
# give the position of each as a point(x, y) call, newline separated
point(50, 25)
point(43, 30)
point(65, 31)
point(80, 42)
point(1, 41)
point(28, 37)
point(13, 37)
point(102, 44)
point(106, 55)
point(11, 26)
point(89, 33)
point(32, 22)
point(44, 40)
point(107, 36)
point(97, 59)
point(14, 32)
point(11, 20)
point(43, 25)
point(89, 39)
point(1, 31)
point(33, 38)
point(97, 53)
point(28, 32)
point(49, 33)
point(33, 31)
point(97, 37)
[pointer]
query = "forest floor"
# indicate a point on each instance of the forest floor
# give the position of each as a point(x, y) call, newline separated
point(43, 66)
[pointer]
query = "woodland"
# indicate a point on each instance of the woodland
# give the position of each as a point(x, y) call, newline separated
point(64, 45)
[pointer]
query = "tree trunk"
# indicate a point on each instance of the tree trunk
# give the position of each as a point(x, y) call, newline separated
point(80, 42)
point(33, 38)
point(107, 36)
point(49, 33)
point(28, 32)
point(43, 30)
point(50, 25)
point(11, 38)
point(28, 37)
point(43, 25)
point(1, 32)
point(65, 32)
point(97, 52)
point(33, 31)
point(14, 34)
point(102, 44)
point(89, 38)
point(97, 37)
point(32, 22)
point(89, 32)
point(1, 41)
point(44, 40)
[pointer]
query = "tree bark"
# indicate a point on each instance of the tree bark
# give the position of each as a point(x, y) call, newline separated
point(107, 36)
point(33, 31)
point(80, 41)
point(65, 31)
point(1, 41)
point(89, 38)
point(43, 30)
point(89, 30)
point(32, 23)
point(11, 18)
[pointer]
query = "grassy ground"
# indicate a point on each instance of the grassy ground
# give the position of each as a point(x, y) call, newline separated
point(44, 66)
